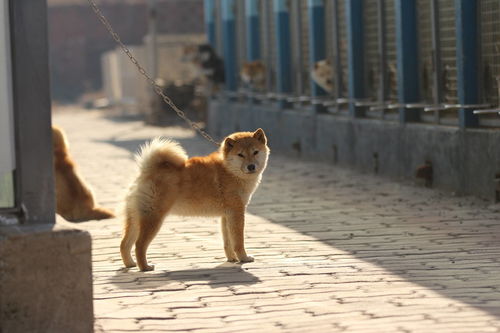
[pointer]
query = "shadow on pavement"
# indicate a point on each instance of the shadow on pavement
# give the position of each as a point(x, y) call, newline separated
point(445, 244)
point(224, 275)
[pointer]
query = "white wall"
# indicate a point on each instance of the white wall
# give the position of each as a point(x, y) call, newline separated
point(120, 76)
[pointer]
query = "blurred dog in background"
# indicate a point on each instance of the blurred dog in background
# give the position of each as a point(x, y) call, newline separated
point(208, 62)
point(322, 74)
point(74, 198)
point(253, 74)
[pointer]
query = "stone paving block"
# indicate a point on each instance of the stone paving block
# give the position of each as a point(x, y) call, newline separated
point(214, 312)
point(283, 315)
point(335, 250)
point(116, 325)
point(179, 325)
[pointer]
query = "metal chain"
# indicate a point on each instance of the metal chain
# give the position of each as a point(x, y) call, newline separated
point(150, 80)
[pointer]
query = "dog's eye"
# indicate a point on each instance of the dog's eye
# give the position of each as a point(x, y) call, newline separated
point(256, 152)
point(241, 155)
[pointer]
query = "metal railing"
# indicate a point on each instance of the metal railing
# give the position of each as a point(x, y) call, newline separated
point(435, 94)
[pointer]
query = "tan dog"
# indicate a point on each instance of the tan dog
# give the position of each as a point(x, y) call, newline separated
point(74, 199)
point(322, 74)
point(253, 74)
point(220, 184)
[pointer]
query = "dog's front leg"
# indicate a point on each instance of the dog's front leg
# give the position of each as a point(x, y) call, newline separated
point(236, 225)
point(228, 248)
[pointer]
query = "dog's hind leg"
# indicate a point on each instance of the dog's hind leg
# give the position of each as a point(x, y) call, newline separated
point(130, 235)
point(148, 228)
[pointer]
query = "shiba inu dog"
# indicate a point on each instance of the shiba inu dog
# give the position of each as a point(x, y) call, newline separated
point(74, 198)
point(205, 58)
point(322, 74)
point(220, 184)
point(253, 74)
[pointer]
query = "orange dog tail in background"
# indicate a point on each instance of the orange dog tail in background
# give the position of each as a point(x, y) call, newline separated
point(74, 198)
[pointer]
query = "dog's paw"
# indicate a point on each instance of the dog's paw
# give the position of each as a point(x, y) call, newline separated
point(130, 264)
point(247, 259)
point(232, 260)
point(148, 268)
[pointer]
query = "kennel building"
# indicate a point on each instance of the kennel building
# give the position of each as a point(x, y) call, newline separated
point(416, 84)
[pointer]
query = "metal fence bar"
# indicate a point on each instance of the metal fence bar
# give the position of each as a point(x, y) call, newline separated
point(252, 31)
point(355, 51)
point(297, 50)
point(210, 22)
point(407, 61)
point(241, 34)
point(283, 57)
point(267, 44)
point(437, 86)
point(229, 44)
point(317, 39)
point(467, 60)
point(489, 25)
point(382, 48)
point(218, 28)
point(437, 70)
point(337, 58)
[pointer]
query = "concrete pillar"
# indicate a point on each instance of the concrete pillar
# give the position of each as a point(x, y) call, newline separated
point(45, 279)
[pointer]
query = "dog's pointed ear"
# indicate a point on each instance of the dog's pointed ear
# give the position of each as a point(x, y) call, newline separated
point(227, 145)
point(260, 135)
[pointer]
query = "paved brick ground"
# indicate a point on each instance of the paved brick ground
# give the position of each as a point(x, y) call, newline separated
point(335, 251)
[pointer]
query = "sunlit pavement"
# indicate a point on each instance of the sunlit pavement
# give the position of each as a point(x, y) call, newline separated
point(335, 250)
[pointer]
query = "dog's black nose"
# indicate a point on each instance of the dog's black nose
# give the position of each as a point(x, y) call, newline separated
point(251, 167)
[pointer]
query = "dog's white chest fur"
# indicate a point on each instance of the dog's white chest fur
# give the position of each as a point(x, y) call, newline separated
point(248, 189)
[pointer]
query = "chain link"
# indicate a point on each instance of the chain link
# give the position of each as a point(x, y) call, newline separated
point(143, 72)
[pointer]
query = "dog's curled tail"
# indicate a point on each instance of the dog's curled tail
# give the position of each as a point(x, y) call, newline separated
point(160, 152)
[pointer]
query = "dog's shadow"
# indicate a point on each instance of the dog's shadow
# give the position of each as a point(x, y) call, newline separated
point(224, 275)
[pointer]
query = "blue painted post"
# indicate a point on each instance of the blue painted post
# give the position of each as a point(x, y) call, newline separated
point(355, 54)
point(210, 22)
point(229, 44)
point(252, 25)
point(467, 60)
point(407, 61)
point(283, 50)
point(317, 41)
